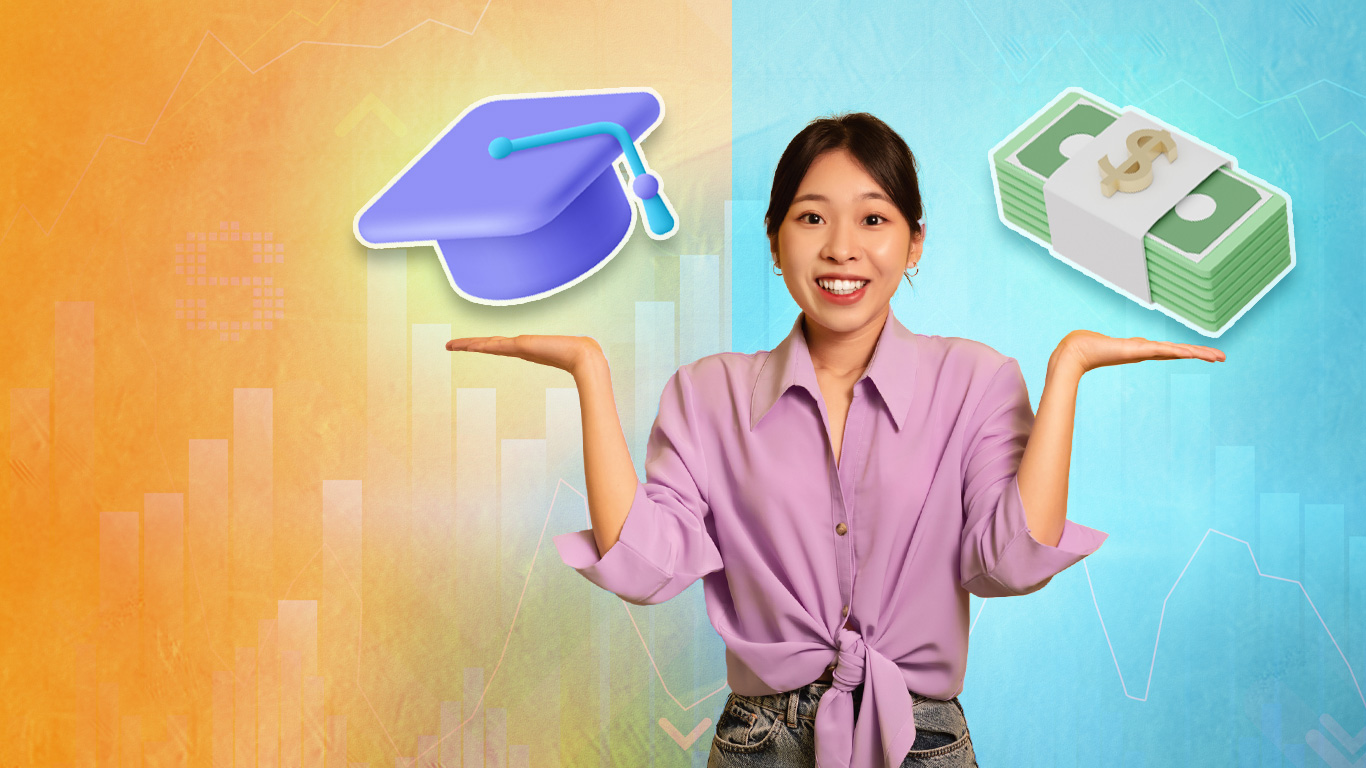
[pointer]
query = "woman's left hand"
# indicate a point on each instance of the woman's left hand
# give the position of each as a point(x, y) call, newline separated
point(1087, 350)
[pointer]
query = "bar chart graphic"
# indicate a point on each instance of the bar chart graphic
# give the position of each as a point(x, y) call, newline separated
point(199, 650)
point(253, 514)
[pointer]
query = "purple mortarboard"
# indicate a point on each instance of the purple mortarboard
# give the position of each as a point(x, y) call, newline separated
point(521, 195)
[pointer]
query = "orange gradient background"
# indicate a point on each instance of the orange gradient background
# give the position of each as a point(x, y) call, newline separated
point(176, 471)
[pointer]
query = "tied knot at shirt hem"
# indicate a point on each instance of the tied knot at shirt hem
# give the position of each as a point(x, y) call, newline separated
point(763, 505)
point(884, 731)
point(850, 665)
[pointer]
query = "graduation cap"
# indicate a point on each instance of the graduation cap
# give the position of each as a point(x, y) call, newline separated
point(520, 194)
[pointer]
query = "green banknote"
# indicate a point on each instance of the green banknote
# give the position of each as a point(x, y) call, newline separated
point(1208, 258)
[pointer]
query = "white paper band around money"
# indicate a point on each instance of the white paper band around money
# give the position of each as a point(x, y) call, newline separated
point(1104, 235)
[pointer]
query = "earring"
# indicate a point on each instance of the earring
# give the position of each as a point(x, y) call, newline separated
point(777, 271)
point(916, 272)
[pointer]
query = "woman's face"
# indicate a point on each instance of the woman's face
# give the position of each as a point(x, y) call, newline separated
point(842, 226)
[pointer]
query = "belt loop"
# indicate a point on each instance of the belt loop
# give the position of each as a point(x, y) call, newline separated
point(792, 708)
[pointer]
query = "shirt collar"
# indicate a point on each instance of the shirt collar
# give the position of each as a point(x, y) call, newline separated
point(891, 369)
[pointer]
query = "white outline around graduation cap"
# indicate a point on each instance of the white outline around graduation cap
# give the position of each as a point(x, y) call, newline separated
point(617, 163)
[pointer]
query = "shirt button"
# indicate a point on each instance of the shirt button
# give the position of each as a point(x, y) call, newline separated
point(841, 529)
point(845, 611)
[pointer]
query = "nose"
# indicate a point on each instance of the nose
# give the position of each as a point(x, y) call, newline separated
point(841, 243)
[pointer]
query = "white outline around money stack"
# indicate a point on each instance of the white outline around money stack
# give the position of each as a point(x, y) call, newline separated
point(1145, 209)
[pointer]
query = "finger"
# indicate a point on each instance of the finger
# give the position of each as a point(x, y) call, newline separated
point(1212, 354)
point(494, 345)
point(1182, 350)
point(497, 345)
point(1186, 351)
point(1161, 350)
point(1149, 349)
point(1200, 352)
point(465, 342)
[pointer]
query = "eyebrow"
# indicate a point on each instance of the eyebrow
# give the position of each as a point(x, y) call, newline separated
point(824, 199)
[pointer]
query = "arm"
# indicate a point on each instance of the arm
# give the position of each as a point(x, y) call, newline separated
point(1048, 454)
point(1000, 554)
point(1016, 534)
point(1044, 468)
point(608, 471)
point(649, 541)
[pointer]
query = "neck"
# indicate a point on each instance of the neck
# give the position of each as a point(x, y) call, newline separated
point(843, 353)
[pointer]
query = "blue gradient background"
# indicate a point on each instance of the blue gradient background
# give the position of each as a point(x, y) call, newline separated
point(1187, 638)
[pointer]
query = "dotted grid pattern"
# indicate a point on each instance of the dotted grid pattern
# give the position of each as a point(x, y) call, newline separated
point(267, 299)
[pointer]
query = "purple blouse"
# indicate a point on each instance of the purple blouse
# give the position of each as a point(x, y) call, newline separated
point(742, 491)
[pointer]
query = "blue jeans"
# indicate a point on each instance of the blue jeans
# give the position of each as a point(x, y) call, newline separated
point(780, 730)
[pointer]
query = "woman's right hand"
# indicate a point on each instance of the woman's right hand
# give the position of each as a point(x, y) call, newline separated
point(609, 474)
point(568, 353)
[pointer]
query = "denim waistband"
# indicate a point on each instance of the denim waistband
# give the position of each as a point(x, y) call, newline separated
point(801, 703)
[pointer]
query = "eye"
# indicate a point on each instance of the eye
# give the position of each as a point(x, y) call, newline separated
point(879, 218)
point(805, 218)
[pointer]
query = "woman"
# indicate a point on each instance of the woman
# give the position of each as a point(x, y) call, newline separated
point(843, 493)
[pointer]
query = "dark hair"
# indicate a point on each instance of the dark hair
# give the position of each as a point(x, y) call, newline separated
point(873, 144)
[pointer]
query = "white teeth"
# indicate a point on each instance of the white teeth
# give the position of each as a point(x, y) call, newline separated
point(842, 287)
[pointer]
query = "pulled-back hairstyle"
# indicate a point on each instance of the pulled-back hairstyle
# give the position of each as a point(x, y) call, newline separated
point(873, 144)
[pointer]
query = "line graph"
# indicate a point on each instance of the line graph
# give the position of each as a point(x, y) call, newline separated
point(355, 589)
point(1090, 585)
point(1100, 72)
point(1158, 639)
point(1153, 664)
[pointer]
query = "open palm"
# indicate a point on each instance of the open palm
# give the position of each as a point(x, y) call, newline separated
point(1093, 350)
point(567, 353)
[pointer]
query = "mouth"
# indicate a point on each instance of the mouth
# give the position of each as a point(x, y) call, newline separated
point(842, 291)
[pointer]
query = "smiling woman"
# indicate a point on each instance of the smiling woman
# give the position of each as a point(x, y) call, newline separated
point(838, 575)
point(843, 226)
point(845, 185)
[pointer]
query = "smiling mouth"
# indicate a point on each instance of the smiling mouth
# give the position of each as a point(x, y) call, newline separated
point(842, 287)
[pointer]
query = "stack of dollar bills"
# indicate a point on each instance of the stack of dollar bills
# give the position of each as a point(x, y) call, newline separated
point(1204, 272)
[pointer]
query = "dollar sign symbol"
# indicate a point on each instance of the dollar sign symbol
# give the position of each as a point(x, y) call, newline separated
point(1136, 172)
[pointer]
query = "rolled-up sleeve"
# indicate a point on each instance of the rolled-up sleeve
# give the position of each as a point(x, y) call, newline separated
point(1000, 556)
point(664, 545)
